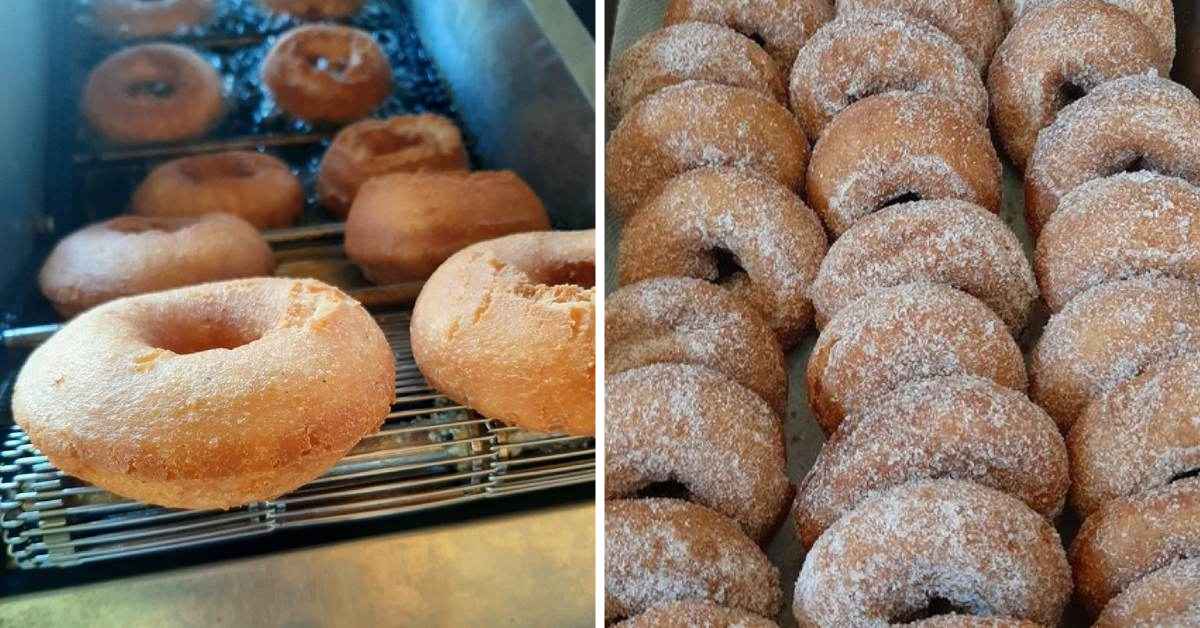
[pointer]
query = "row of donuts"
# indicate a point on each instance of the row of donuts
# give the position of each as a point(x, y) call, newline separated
point(138, 18)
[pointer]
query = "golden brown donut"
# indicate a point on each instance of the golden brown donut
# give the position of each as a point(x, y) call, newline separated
point(1055, 54)
point(1167, 597)
point(781, 26)
point(150, 18)
point(976, 25)
point(1157, 15)
point(775, 239)
point(689, 321)
point(950, 242)
point(696, 124)
point(1129, 538)
point(874, 52)
point(900, 146)
point(1142, 435)
point(666, 550)
point(130, 255)
point(151, 396)
point(960, 427)
point(693, 426)
point(315, 9)
point(256, 187)
point(906, 549)
point(405, 225)
point(507, 327)
point(369, 148)
point(696, 614)
point(1108, 335)
point(1139, 122)
point(894, 336)
point(153, 93)
point(327, 73)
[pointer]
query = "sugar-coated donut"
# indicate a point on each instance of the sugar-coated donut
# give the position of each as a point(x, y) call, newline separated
point(696, 124)
point(1130, 538)
point(153, 93)
point(960, 427)
point(150, 18)
point(692, 425)
point(775, 239)
point(689, 51)
point(957, 620)
point(1140, 122)
point(507, 327)
point(256, 187)
point(979, 550)
point(873, 52)
point(665, 550)
point(405, 225)
point(696, 614)
point(976, 25)
point(130, 255)
point(898, 335)
point(1108, 335)
point(1157, 15)
point(781, 26)
point(689, 321)
point(369, 148)
point(315, 9)
point(1167, 597)
point(327, 73)
point(151, 397)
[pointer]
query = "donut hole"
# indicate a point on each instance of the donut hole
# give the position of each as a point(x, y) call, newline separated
point(150, 88)
point(671, 489)
point(143, 224)
point(728, 265)
point(1136, 163)
point(906, 197)
point(184, 333)
point(1185, 475)
point(934, 606)
point(1068, 93)
point(383, 141)
point(581, 274)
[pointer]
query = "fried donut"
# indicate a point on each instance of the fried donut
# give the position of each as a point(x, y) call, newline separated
point(894, 336)
point(949, 242)
point(507, 327)
point(691, 425)
point(1108, 335)
point(703, 214)
point(696, 614)
point(150, 18)
point(689, 321)
point(1142, 435)
point(873, 52)
point(781, 26)
point(130, 255)
point(975, 25)
point(256, 187)
point(405, 225)
point(327, 73)
point(665, 550)
point(153, 93)
point(150, 396)
point(1133, 123)
point(369, 148)
point(315, 9)
point(689, 51)
point(1129, 538)
point(1157, 15)
point(956, 620)
point(1167, 597)
point(895, 147)
point(696, 124)
point(917, 545)
point(960, 427)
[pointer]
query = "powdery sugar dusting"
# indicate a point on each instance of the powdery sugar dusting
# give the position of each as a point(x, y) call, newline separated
point(1167, 597)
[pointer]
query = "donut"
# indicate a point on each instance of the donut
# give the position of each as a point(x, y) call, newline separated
point(956, 620)
point(781, 26)
point(369, 148)
point(150, 18)
point(874, 52)
point(153, 93)
point(976, 25)
point(948, 242)
point(1133, 123)
point(256, 187)
point(129, 255)
point(665, 550)
point(149, 396)
point(314, 9)
point(696, 124)
point(689, 321)
point(1108, 335)
point(691, 425)
point(775, 240)
point(1129, 538)
point(689, 51)
point(405, 225)
point(894, 336)
point(507, 327)
point(1139, 436)
point(696, 614)
point(1167, 597)
point(327, 73)
point(1157, 15)
point(895, 147)
point(934, 543)
point(960, 427)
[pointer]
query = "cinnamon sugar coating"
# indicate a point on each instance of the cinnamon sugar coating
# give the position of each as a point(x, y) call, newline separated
point(783, 26)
